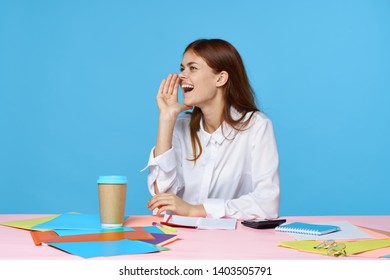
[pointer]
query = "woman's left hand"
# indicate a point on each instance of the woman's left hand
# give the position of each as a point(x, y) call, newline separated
point(171, 202)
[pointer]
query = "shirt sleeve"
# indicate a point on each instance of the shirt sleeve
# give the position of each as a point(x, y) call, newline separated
point(165, 169)
point(161, 171)
point(263, 201)
point(215, 208)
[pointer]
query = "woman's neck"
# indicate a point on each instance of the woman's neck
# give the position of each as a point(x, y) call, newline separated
point(212, 119)
point(212, 112)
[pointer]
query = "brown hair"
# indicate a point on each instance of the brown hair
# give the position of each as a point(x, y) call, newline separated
point(220, 55)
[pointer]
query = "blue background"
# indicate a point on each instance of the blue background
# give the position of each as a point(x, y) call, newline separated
point(78, 81)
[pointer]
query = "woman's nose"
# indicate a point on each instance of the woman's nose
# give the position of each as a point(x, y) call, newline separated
point(182, 75)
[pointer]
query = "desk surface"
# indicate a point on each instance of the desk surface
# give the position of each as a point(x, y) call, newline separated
point(241, 244)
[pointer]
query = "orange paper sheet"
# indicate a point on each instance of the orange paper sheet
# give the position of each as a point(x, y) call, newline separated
point(50, 236)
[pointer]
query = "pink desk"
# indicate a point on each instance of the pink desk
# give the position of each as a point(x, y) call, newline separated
point(241, 244)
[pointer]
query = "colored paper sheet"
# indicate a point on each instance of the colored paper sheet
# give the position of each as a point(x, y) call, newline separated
point(162, 239)
point(39, 237)
point(347, 232)
point(107, 248)
point(355, 247)
point(383, 232)
point(72, 221)
point(139, 221)
point(165, 228)
point(153, 229)
point(52, 237)
point(373, 232)
point(377, 253)
point(66, 232)
point(30, 223)
point(352, 247)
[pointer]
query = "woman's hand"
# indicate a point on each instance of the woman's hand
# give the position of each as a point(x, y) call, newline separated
point(171, 202)
point(167, 99)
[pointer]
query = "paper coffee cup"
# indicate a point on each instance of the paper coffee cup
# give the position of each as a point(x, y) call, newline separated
point(112, 200)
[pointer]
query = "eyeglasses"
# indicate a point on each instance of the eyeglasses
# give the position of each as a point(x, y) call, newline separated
point(332, 248)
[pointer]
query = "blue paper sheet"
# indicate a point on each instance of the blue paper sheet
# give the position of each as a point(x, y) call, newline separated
point(66, 232)
point(153, 229)
point(72, 221)
point(107, 248)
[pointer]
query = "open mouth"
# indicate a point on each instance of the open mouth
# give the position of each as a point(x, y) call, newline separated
point(187, 88)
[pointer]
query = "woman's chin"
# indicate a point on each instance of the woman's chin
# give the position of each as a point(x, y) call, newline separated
point(187, 102)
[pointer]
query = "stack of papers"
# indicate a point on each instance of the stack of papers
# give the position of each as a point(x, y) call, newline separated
point(359, 241)
point(82, 235)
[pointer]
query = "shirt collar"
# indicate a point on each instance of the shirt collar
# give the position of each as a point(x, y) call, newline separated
point(221, 133)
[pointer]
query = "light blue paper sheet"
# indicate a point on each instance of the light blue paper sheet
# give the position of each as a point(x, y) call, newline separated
point(347, 231)
point(153, 229)
point(66, 232)
point(72, 221)
point(107, 248)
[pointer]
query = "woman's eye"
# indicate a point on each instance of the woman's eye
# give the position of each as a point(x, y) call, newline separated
point(192, 68)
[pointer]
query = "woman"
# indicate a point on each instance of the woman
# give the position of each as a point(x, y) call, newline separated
point(221, 160)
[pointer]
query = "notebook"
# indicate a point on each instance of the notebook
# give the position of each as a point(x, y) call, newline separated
point(199, 223)
point(306, 228)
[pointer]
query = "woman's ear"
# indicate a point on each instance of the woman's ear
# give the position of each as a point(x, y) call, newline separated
point(223, 77)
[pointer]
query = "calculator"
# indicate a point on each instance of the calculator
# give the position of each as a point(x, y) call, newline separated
point(264, 224)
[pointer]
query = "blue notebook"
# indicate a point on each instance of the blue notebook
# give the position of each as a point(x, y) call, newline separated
point(306, 228)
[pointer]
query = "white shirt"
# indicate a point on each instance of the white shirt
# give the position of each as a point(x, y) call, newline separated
point(237, 174)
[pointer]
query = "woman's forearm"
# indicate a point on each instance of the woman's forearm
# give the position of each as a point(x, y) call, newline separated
point(166, 124)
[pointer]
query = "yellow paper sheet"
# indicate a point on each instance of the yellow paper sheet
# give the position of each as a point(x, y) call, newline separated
point(352, 247)
point(29, 223)
point(378, 253)
point(166, 229)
